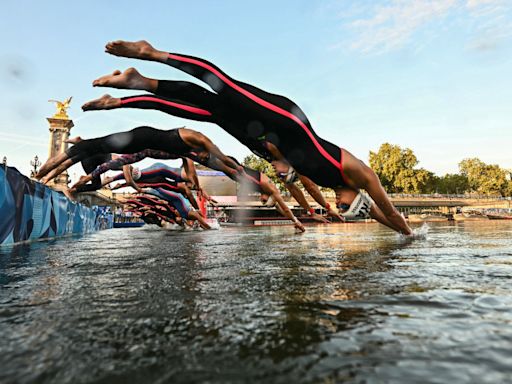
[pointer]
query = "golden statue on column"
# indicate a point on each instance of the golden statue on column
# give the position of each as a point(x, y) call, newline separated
point(60, 125)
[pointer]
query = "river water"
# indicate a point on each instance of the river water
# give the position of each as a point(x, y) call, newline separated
point(340, 303)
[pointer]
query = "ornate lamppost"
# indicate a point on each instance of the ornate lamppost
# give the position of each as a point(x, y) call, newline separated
point(35, 166)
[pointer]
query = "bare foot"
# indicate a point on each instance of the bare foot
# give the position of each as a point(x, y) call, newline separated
point(82, 181)
point(129, 79)
point(68, 194)
point(104, 102)
point(137, 49)
point(73, 140)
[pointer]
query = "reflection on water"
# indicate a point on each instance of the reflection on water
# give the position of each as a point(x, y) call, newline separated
point(339, 303)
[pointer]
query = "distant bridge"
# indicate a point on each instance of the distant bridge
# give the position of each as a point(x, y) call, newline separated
point(447, 203)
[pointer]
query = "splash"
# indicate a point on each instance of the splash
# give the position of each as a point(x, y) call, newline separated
point(213, 223)
point(417, 234)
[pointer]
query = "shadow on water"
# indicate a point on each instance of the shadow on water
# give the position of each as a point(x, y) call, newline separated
point(339, 303)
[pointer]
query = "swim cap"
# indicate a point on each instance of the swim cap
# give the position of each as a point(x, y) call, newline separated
point(136, 173)
point(288, 177)
point(360, 207)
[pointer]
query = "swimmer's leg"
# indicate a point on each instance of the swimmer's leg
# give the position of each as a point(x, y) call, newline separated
point(57, 171)
point(172, 107)
point(129, 79)
point(51, 164)
point(194, 66)
point(137, 50)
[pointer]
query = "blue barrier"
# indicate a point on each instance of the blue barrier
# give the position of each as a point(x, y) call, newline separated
point(31, 211)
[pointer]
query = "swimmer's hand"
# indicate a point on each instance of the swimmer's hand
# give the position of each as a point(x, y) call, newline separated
point(319, 218)
point(298, 225)
point(332, 213)
point(206, 196)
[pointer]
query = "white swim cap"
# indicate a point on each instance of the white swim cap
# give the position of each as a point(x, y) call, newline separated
point(360, 207)
point(288, 177)
point(136, 173)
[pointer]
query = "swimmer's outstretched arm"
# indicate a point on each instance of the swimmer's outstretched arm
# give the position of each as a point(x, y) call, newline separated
point(360, 176)
point(200, 219)
point(270, 189)
point(190, 172)
point(317, 195)
point(301, 199)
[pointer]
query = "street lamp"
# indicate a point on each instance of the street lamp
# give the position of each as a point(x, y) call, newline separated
point(35, 165)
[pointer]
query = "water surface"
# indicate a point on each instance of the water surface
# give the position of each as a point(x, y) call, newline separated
point(341, 303)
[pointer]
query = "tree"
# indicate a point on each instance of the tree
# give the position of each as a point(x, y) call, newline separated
point(487, 179)
point(452, 184)
point(395, 168)
point(265, 167)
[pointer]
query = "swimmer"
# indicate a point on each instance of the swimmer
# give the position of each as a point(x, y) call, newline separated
point(158, 174)
point(181, 204)
point(178, 141)
point(269, 192)
point(88, 165)
point(262, 121)
point(181, 99)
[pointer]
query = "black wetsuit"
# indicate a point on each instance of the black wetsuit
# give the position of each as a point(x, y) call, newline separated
point(132, 141)
point(158, 182)
point(89, 164)
point(250, 114)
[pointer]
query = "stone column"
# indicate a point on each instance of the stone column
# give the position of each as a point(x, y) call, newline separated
point(59, 132)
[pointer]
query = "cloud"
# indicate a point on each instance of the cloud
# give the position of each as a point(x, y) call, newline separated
point(394, 24)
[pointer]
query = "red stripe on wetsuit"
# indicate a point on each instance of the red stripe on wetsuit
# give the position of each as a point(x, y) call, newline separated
point(263, 103)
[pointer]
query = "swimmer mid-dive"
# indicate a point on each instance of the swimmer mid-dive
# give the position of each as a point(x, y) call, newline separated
point(266, 123)
point(212, 110)
point(178, 142)
point(269, 194)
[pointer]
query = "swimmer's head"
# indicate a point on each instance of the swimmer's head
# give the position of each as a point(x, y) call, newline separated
point(289, 177)
point(358, 209)
point(136, 173)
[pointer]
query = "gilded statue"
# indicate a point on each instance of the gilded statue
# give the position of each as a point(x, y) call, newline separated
point(62, 107)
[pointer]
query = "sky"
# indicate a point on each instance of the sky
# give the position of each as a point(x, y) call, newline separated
point(430, 75)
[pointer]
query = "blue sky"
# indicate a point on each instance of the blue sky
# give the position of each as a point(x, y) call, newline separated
point(431, 75)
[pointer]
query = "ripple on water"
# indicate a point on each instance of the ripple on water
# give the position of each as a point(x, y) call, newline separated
point(339, 303)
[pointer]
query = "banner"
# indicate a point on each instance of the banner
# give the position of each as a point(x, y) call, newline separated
point(31, 211)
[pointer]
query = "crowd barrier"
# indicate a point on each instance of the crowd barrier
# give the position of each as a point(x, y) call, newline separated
point(31, 211)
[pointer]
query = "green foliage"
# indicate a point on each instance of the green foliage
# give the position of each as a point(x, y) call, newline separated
point(265, 167)
point(395, 168)
point(487, 179)
point(451, 184)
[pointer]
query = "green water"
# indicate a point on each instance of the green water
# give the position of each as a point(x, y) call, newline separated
point(341, 303)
